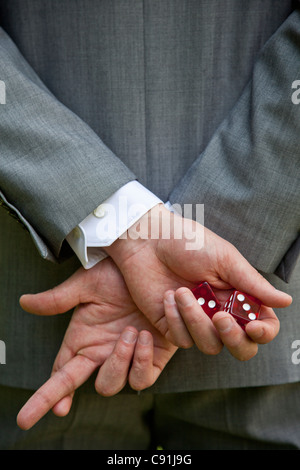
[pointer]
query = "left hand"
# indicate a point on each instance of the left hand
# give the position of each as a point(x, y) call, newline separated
point(164, 252)
point(106, 331)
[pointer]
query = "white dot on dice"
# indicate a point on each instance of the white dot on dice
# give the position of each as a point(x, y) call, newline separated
point(201, 301)
point(246, 307)
point(211, 304)
point(252, 316)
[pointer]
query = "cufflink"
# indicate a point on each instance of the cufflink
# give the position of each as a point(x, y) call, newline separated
point(99, 212)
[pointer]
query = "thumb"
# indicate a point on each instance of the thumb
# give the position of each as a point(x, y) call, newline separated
point(238, 272)
point(57, 300)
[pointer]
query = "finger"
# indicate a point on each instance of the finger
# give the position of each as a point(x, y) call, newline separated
point(234, 337)
point(141, 373)
point(178, 333)
point(265, 329)
point(63, 406)
point(198, 323)
point(60, 385)
point(60, 299)
point(113, 374)
point(236, 271)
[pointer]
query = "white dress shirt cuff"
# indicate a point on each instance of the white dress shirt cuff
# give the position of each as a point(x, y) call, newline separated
point(109, 221)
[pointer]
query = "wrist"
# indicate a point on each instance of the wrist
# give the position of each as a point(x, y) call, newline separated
point(148, 229)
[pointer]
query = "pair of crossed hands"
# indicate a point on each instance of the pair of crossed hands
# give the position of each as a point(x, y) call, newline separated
point(133, 310)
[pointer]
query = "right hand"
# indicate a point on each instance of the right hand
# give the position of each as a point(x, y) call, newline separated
point(106, 332)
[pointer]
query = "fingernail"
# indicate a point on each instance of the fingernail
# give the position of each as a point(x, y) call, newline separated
point(129, 336)
point(185, 299)
point(169, 297)
point(225, 325)
point(144, 338)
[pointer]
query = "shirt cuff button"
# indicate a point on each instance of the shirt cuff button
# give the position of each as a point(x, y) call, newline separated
point(99, 212)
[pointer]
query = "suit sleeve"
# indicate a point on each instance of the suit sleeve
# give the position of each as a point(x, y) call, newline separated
point(248, 177)
point(54, 170)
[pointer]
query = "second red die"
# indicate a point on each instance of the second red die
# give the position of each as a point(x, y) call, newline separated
point(244, 308)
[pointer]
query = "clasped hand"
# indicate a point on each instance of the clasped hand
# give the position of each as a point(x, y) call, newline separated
point(134, 309)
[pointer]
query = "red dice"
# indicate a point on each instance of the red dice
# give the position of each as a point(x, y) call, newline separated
point(243, 307)
point(207, 299)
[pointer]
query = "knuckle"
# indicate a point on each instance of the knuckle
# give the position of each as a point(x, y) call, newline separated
point(121, 355)
point(141, 362)
point(67, 380)
point(44, 399)
point(193, 321)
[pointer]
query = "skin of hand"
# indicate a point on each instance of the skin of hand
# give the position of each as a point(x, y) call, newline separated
point(164, 255)
point(106, 331)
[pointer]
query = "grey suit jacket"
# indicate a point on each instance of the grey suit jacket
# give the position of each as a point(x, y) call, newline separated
point(193, 99)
